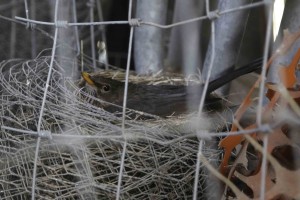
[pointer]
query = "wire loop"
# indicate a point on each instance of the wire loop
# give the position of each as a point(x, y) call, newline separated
point(212, 15)
point(135, 22)
point(30, 25)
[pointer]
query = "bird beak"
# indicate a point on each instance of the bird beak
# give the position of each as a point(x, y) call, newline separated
point(86, 76)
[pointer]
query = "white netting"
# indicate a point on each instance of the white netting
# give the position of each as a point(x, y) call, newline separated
point(81, 155)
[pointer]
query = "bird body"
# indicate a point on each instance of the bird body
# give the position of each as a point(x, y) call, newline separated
point(158, 99)
point(162, 100)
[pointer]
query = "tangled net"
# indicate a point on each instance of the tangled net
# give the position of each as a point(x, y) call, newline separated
point(82, 155)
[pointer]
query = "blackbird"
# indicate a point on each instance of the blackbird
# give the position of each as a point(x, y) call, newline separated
point(162, 99)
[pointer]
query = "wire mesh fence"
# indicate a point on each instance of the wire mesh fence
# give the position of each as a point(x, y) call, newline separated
point(59, 140)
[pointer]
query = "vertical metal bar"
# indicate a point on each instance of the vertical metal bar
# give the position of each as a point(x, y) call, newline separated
point(195, 192)
point(43, 103)
point(149, 41)
point(33, 31)
point(103, 34)
point(269, 9)
point(124, 105)
point(92, 30)
point(13, 33)
point(76, 27)
point(197, 171)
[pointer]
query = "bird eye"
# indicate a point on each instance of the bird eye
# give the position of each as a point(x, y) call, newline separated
point(105, 88)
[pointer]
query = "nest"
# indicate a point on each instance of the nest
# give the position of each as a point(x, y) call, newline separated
point(82, 156)
point(159, 78)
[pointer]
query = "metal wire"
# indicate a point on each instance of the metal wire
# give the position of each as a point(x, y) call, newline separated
point(56, 143)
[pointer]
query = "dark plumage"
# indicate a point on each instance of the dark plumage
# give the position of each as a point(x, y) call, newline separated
point(163, 99)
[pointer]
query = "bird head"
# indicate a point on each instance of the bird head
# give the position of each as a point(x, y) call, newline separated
point(106, 89)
